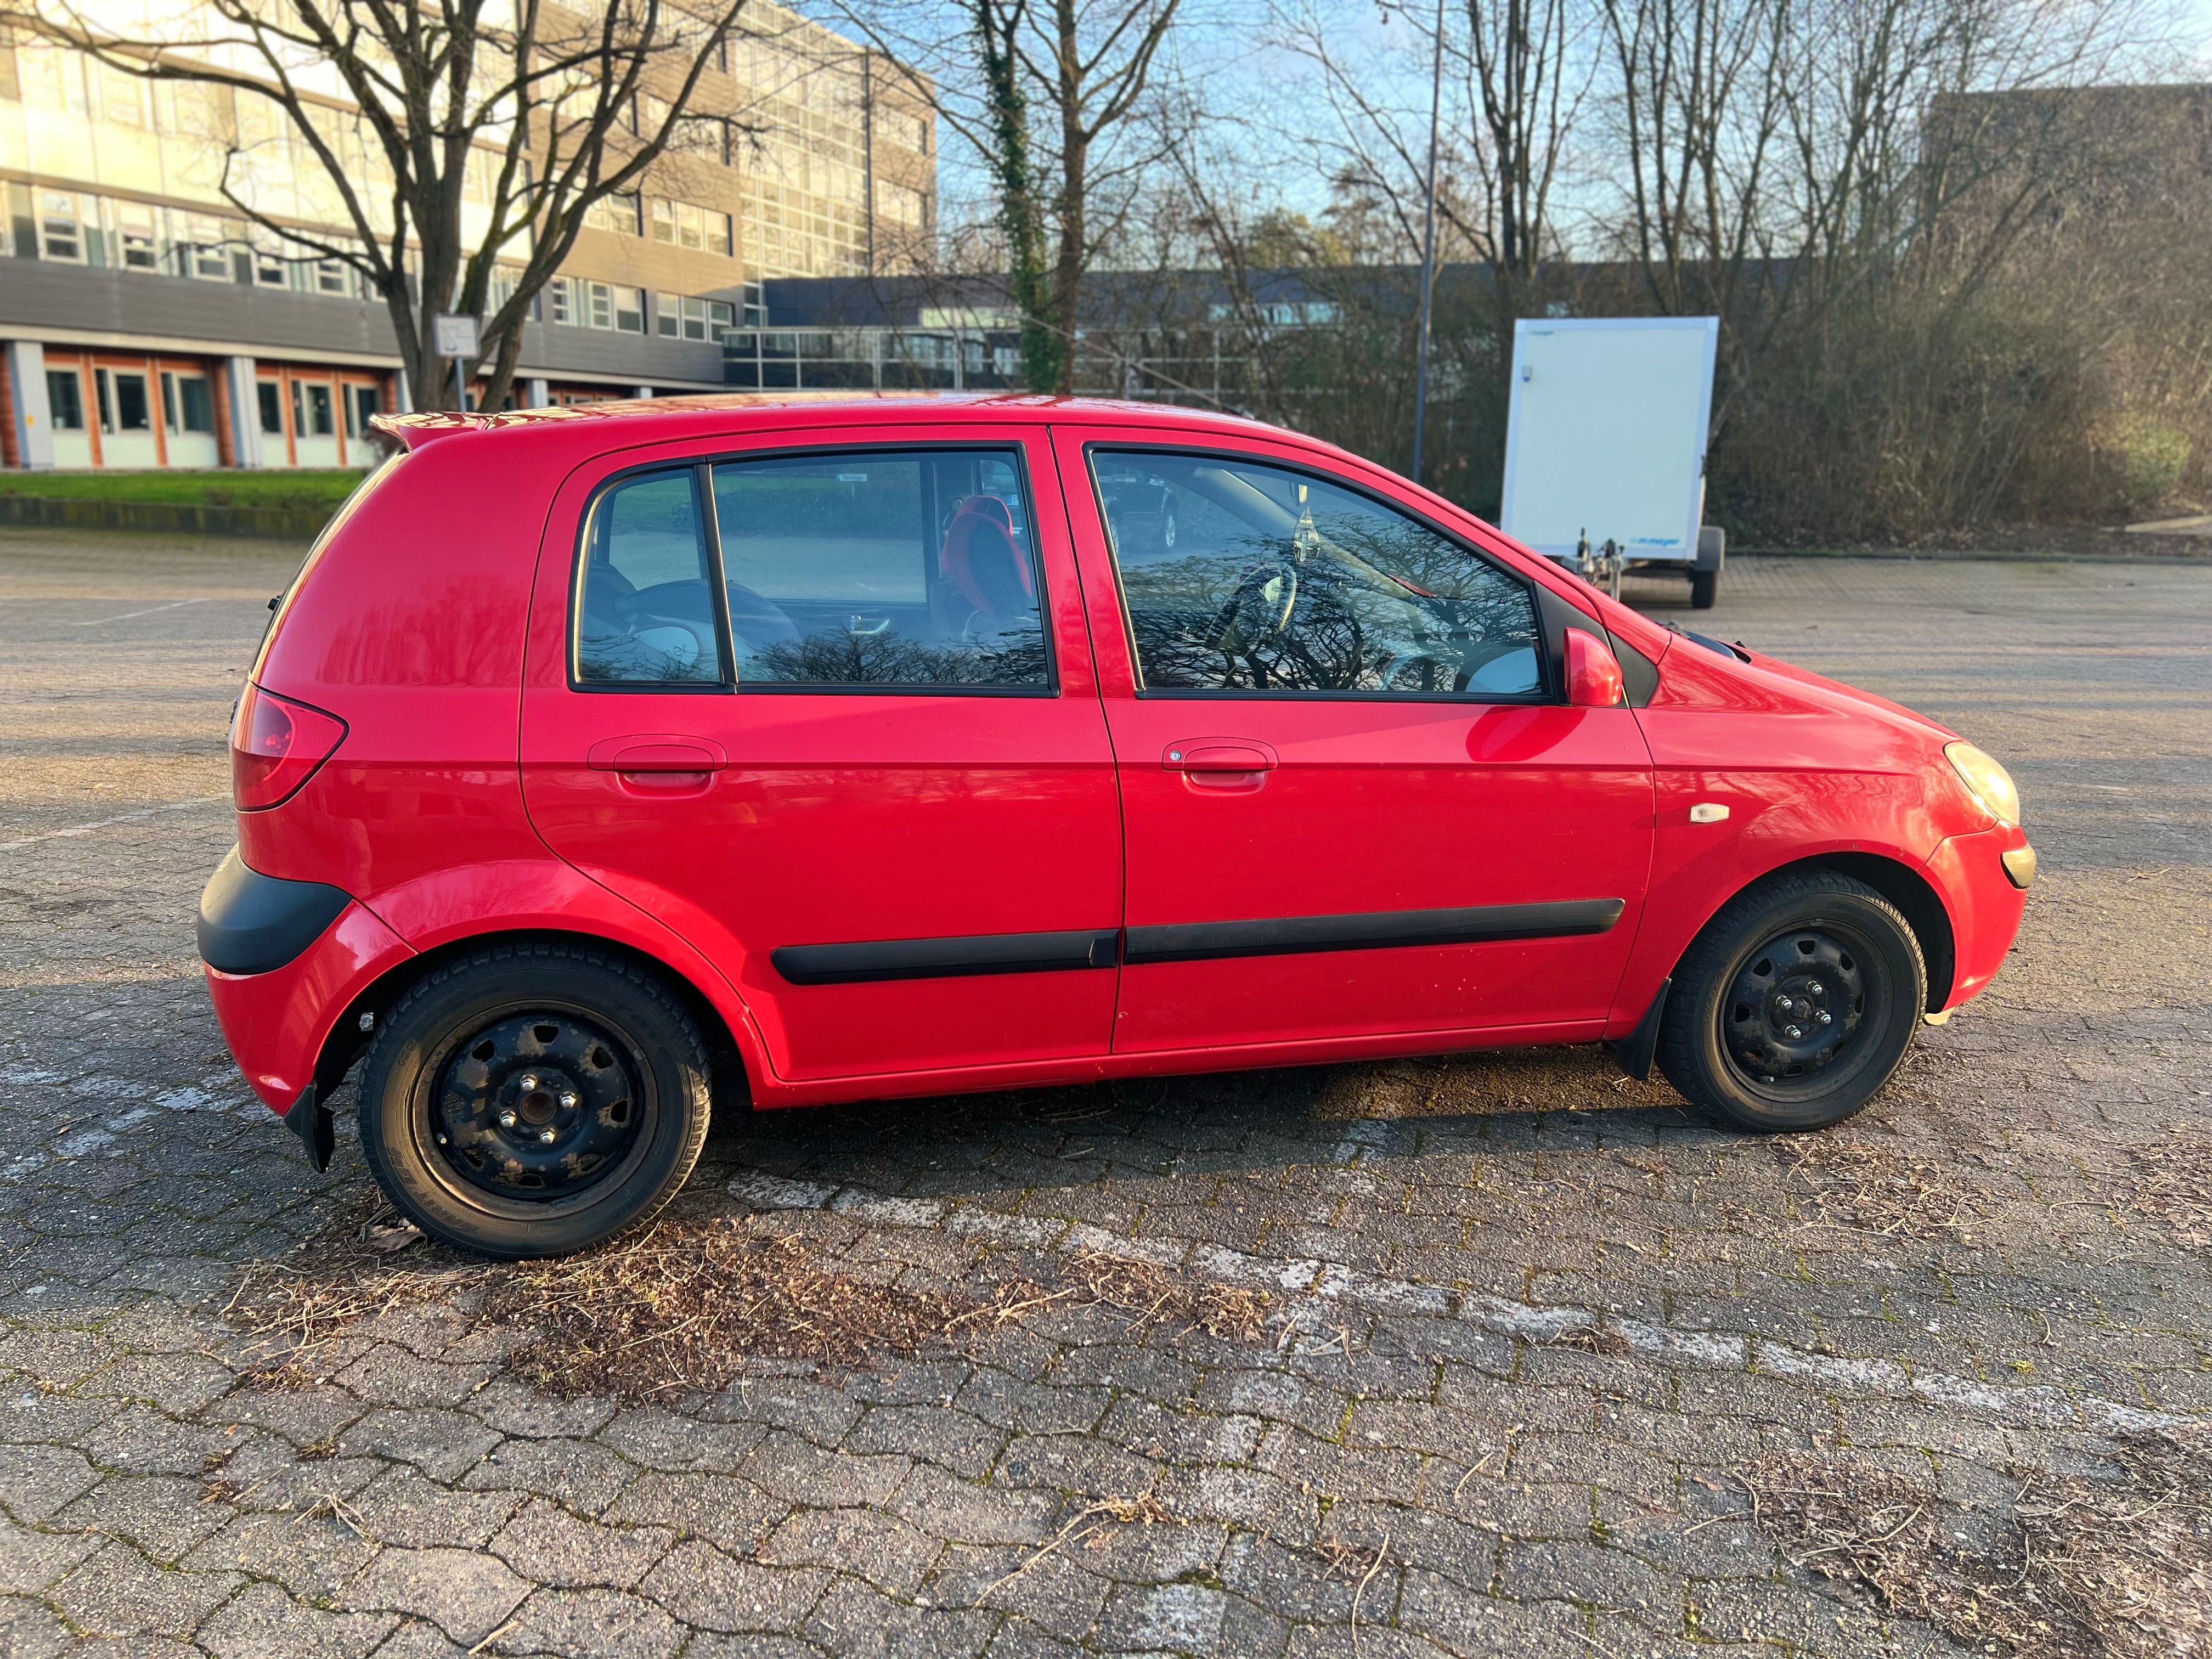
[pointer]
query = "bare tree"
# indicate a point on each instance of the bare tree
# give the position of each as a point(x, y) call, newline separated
point(410, 108)
point(1046, 93)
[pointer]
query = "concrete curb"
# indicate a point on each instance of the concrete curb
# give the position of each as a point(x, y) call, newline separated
point(294, 524)
point(1993, 556)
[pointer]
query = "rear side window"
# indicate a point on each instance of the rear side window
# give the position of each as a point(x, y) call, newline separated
point(879, 567)
point(645, 612)
point(1240, 577)
point(897, 570)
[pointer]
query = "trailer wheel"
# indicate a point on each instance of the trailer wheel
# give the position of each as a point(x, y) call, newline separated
point(1705, 588)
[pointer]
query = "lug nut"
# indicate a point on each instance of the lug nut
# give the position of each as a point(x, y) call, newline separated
point(507, 1119)
point(547, 1136)
point(569, 1101)
point(530, 1079)
point(1792, 1032)
point(1825, 1018)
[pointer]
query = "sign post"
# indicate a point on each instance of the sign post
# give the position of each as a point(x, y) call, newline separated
point(459, 338)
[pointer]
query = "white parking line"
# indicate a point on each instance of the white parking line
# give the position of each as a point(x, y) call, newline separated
point(177, 605)
point(121, 817)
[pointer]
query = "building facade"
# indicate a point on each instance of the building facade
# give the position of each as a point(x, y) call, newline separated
point(146, 324)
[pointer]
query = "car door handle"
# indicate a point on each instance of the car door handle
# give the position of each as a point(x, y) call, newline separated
point(1218, 754)
point(656, 754)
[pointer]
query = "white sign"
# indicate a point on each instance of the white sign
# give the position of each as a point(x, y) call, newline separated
point(457, 337)
point(1607, 434)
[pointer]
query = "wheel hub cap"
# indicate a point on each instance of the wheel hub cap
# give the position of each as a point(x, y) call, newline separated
point(536, 1106)
point(1795, 1007)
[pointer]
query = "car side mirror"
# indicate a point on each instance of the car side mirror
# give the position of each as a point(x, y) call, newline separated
point(1594, 676)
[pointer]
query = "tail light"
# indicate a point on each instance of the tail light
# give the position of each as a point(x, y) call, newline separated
point(275, 745)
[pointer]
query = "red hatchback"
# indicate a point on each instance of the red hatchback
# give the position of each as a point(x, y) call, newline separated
point(603, 764)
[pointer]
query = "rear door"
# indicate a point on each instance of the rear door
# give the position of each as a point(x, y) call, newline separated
point(827, 710)
point(1355, 800)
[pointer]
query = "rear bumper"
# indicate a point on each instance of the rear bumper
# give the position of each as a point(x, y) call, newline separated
point(1986, 902)
point(276, 1022)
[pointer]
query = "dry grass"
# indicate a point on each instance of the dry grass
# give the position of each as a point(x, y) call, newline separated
point(682, 1308)
point(2176, 1186)
point(2120, 1569)
point(1874, 1185)
point(1158, 1297)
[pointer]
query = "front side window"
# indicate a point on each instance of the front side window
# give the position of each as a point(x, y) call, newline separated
point(645, 610)
point(887, 570)
point(1238, 576)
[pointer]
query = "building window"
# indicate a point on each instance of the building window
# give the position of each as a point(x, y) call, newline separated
point(314, 414)
point(137, 236)
point(272, 408)
point(124, 405)
point(365, 402)
point(618, 213)
point(629, 310)
point(904, 128)
point(333, 278)
point(65, 399)
point(898, 203)
point(270, 268)
point(186, 403)
point(61, 227)
point(681, 225)
point(124, 98)
point(559, 303)
point(207, 252)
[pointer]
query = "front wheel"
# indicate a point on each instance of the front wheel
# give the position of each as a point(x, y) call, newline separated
point(1705, 588)
point(534, 1099)
point(1796, 1005)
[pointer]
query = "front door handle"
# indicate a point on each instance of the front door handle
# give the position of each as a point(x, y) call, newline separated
point(1205, 755)
point(657, 753)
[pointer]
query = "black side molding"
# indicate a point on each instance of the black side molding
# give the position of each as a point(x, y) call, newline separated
point(946, 959)
point(251, 923)
point(1372, 931)
point(1633, 1054)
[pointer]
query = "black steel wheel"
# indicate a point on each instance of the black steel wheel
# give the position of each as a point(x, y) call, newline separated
point(534, 1099)
point(537, 1105)
point(1796, 1004)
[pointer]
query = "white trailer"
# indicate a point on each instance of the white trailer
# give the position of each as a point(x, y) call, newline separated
point(1605, 446)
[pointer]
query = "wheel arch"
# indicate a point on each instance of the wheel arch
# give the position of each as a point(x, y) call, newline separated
point(348, 1039)
point(1904, 887)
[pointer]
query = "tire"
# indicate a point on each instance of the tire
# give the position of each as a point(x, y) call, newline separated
point(489, 1054)
point(1724, 1039)
point(1705, 588)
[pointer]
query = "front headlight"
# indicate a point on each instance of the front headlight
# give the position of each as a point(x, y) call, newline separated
point(1990, 784)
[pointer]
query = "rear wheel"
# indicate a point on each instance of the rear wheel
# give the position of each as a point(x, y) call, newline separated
point(1705, 588)
point(533, 1100)
point(1796, 1005)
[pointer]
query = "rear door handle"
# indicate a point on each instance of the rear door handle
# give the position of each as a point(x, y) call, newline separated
point(1218, 754)
point(656, 754)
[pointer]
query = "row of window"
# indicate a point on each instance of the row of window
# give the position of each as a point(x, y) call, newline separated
point(71, 227)
point(679, 224)
point(914, 569)
point(123, 402)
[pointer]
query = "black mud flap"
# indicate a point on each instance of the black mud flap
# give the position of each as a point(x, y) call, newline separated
point(1633, 1053)
point(310, 1120)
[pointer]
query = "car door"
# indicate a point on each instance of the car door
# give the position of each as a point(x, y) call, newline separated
point(1355, 800)
point(828, 711)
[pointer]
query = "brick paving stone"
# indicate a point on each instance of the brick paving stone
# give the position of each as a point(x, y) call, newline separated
point(465, 1593)
point(1427, 1229)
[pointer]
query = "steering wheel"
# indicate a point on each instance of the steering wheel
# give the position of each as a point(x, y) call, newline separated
point(1259, 612)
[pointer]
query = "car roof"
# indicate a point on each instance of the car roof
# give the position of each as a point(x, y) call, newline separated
point(647, 420)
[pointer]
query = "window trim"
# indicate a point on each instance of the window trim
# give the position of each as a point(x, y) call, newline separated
point(1551, 692)
point(702, 469)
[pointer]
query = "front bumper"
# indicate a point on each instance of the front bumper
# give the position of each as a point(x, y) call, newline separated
point(1984, 888)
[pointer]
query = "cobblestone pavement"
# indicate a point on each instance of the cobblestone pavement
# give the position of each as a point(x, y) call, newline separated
point(1529, 1322)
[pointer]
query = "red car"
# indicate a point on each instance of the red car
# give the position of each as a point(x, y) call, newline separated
point(600, 765)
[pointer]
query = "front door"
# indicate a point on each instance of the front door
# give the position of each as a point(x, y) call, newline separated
point(1356, 803)
point(829, 712)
